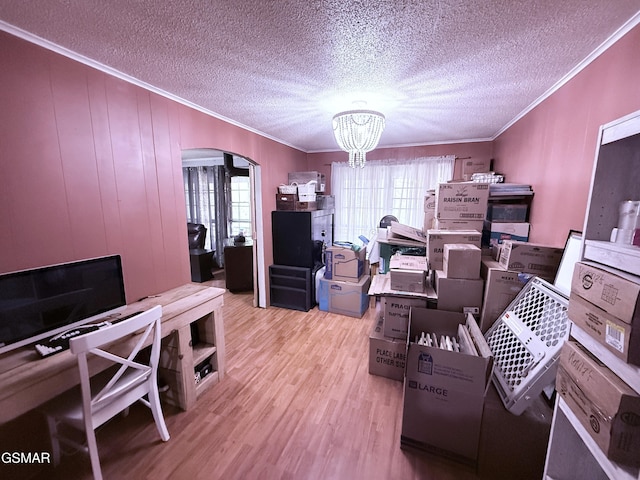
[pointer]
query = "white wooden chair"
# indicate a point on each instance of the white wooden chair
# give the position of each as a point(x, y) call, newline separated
point(102, 397)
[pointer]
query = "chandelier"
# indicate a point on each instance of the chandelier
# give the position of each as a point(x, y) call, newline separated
point(358, 132)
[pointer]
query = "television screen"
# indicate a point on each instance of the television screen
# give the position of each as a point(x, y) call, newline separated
point(42, 302)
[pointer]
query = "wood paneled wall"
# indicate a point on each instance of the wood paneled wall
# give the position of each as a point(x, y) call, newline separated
point(90, 165)
point(553, 147)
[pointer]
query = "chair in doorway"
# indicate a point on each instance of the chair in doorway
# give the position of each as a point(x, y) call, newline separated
point(197, 233)
point(132, 377)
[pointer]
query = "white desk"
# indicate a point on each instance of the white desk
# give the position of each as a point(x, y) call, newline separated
point(29, 381)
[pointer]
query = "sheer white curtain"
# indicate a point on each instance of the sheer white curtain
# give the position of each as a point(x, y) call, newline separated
point(384, 187)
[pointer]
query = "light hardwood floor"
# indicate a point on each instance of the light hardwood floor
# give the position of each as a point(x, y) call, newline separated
point(297, 402)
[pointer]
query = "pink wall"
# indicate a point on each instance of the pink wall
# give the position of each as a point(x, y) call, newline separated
point(90, 165)
point(553, 146)
point(321, 162)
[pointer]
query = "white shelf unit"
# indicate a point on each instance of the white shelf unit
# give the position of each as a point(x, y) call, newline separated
point(572, 452)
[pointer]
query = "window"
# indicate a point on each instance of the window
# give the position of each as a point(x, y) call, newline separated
point(240, 213)
point(384, 187)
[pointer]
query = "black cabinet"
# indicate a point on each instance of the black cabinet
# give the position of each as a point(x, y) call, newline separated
point(298, 237)
point(238, 267)
point(292, 287)
point(201, 262)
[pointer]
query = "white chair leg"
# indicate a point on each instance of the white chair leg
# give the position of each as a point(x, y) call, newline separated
point(53, 435)
point(93, 454)
point(156, 410)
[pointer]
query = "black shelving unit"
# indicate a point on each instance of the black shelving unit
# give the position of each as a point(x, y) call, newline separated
point(292, 287)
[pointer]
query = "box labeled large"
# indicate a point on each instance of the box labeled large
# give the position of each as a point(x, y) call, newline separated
point(616, 293)
point(387, 355)
point(500, 288)
point(395, 311)
point(344, 263)
point(436, 240)
point(462, 200)
point(540, 260)
point(620, 338)
point(605, 405)
point(444, 390)
point(345, 298)
point(461, 260)
point(494, 233)
point(459, 294)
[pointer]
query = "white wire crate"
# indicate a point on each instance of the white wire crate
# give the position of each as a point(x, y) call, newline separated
point(526, 343)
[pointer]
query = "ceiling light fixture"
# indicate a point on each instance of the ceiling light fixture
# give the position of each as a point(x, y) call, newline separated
point(358, 132)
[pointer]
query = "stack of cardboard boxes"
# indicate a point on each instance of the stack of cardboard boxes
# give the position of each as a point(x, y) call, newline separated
point(453, 247)
point(404, 287)
point(458, 285)
point(443, 293)
point(344, 289)
point(444, 389)
point(605, 304)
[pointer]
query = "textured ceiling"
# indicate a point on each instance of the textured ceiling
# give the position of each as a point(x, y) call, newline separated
point(440, 70)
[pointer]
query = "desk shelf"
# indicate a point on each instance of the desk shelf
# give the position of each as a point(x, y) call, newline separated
point(187, 347)
point(202, 351)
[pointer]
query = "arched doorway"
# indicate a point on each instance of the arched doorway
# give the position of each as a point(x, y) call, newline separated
point(221, 189)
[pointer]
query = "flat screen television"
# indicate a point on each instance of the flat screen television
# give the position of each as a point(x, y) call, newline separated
point(45, 301)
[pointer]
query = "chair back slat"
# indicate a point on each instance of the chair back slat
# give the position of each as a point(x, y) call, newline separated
point(106, 335)
point(90, 343)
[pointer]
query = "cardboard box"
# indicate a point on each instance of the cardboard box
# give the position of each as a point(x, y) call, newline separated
point(408, 262)
point(605, 405)
point(459, 295)
point(494, 233)
point(462, 201)
point(344, 263)
point(399, 231)
point(618, 337)
point(444, 391)
point(500, 288)
point(436, 240)
point(448, 224)
point(395, 311)
point(387, 356)
point(540, 260)
point(345, 298)
point(461, 260)
point(471, 166)
point(408, 280)
point(429, 210)
point(507, 212)
point(408, 273)
point(616, 293)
